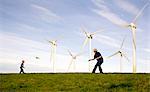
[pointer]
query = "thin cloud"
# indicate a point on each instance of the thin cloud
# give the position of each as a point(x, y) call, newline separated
point(108, 41)
point(101, 4)
point(21, 43)
point(147, 50)
point(104, 11)
point(127, 6)
point(26, 27)
point(110, 16)
point(46, 14)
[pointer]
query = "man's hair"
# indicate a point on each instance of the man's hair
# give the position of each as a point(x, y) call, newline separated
point(95, 50)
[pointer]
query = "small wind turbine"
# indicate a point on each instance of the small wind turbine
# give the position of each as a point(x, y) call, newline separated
point(53, 52)
point(132, 26)
point(89, 37)
point(37, 57)
point(73, 59)
point(121, 53)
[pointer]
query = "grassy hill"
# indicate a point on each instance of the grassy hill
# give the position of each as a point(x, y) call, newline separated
point(75, 82)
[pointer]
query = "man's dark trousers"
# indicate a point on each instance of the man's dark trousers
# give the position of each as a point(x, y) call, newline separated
point(98, 64)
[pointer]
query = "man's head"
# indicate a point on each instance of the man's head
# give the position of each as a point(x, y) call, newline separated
point(22, 61)
point(94, 50)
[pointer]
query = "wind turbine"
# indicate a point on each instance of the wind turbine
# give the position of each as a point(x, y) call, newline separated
point(89, 37)
point(121, 53)
point(132, 26)
point(53, 44)
point(37, 57)
point(73, 59)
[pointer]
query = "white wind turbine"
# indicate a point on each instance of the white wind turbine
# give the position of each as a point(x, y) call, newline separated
point(53, 44)
point(89, 37)
point(37, 57)
point(132, 26)
point(121, 53)
point(73, 59)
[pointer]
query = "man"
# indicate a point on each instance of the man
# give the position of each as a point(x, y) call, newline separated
point(21, 67)
point(99, 59)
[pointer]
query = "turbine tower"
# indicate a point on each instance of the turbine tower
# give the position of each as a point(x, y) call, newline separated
point(121, 53)
point(53, 44)
point(89, 37)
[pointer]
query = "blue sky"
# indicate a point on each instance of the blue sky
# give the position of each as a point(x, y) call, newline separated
point(26, 24)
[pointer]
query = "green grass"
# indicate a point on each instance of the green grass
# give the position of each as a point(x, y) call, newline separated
point(75, 82)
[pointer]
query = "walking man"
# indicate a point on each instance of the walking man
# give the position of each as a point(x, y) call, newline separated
point(99, 59)
point(21, 67)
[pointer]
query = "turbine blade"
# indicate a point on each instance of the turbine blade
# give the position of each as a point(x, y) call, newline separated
point(79, 54)
point(125, 57)
point(113, 54)
point(122, 42)
point(70, 64)
point(59, 38)
point(140, 12)
point(83, 30)
point(93, 33)
point(70, 53)
point(124, 25)
point(85, 42)
point(50, 41)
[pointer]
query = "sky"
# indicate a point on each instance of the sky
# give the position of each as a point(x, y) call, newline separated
point(26, 25)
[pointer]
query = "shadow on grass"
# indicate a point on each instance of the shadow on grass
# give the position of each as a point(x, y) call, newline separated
point(121, 85)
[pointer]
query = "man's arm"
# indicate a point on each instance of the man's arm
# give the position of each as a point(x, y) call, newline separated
point(91, 59)
point(95, 58)
point(98, 57)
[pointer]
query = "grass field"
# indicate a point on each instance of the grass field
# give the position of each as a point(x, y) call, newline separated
point(75, 82)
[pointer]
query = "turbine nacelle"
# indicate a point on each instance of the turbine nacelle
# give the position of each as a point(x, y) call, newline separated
point(74, 57)
point(54, 42)
point(120, 53)
point(132, 26)
point(89, 36)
